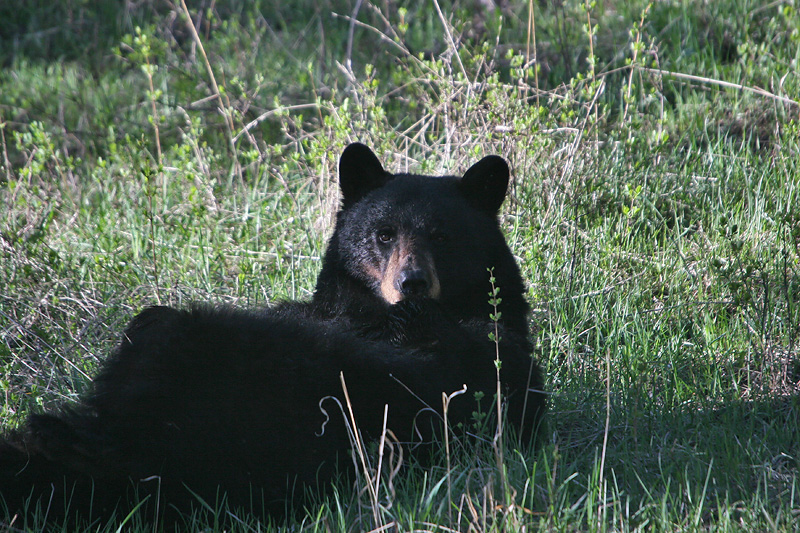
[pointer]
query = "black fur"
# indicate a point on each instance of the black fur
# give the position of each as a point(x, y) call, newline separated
point(211, 401)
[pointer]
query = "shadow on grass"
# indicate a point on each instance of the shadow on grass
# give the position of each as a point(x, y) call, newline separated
point(730, 462)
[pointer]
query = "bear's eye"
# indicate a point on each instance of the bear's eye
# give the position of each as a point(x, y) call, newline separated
point(385, 235)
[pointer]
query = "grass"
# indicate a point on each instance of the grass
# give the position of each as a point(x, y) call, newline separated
point(654, 214)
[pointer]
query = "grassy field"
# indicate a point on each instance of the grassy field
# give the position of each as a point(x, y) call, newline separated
point(655, 213)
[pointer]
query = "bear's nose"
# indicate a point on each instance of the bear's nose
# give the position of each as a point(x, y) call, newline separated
point(413, 282)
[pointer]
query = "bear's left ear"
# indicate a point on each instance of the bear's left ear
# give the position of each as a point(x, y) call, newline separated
point(359, 173)
point(485, 184)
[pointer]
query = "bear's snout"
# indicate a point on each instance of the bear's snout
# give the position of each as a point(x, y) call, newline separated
point(413, 282)
point(409, 272)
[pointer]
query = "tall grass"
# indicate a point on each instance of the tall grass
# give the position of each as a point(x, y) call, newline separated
point(654, 213)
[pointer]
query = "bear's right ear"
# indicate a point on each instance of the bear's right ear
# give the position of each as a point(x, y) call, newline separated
point(359, 173)
point(485, 184)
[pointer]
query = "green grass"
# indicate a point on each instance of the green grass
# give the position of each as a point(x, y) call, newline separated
point(655, 217)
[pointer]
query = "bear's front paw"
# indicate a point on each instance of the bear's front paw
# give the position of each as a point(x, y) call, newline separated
point(417, 321)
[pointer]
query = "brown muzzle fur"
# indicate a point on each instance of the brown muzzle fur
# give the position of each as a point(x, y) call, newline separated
point(409, 273)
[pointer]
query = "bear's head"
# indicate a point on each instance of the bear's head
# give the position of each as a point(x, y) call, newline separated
point(401, 236)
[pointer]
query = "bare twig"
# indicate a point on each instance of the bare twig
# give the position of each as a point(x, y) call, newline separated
point(350, 33)
point(149, 73)
point(385, 38)
point(225, 107)
point(380, 458)
point(450, 39)
point(6, 162)
point(531, 42)
point(263, 116)
point(608, 423)
point(721, 83)
point(445, 405)
point(359, 446)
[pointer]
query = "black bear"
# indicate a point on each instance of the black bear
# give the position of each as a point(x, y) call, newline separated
point(212, 402)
